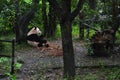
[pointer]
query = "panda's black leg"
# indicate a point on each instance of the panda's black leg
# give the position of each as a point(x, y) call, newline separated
point(40, 45)
point(45, 42)
point(46, 45)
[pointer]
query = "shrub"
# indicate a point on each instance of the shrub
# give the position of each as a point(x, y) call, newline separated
point(1, 46)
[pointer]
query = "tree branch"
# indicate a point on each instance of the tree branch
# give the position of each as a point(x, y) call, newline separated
point(30, 14)
point(87, 26)
point(77, 9)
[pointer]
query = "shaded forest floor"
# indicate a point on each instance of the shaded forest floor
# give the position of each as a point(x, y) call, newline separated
point(38, 65)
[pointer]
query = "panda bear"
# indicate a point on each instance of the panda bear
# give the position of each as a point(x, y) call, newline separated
point(34, 38)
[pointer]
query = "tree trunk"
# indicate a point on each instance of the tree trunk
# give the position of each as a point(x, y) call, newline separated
point(16, 28)
point(67, 44)
point(115, 20)
point(68, 56)
point(44, 17)
point(92, 4)
point(52, 22)
point(65, 16)
point(81, 27)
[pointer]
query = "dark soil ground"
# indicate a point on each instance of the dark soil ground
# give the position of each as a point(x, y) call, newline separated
point(37, 65)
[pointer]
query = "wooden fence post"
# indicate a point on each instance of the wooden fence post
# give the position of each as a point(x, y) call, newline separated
point(13, 57)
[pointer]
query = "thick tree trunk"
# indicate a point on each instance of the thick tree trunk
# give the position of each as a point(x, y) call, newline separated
point(68, 56)
point(65, 16)
point(23, 21)
point(67, 44)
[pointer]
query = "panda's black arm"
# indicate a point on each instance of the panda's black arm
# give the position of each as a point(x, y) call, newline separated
point(41, 36)
point(33, 37)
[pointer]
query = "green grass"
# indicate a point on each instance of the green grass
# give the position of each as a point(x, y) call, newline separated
point(4, 65)
point(99, 74)
point(22, 46)
point(82, 74)
point(7, 49)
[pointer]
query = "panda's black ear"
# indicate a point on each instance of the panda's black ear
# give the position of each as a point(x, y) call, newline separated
point(35, 28)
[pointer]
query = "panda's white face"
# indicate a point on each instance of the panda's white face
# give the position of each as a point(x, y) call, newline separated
point(34, 30)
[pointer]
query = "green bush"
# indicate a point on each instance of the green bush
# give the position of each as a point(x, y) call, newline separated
point(1, 46)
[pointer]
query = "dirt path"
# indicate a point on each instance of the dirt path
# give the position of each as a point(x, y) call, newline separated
point(37, 63)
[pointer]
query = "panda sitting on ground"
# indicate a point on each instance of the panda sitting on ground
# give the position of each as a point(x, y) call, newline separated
point(35, 38)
